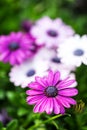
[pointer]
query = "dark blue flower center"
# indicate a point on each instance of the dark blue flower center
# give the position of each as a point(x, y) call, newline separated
point(13, 46)
point(52, 33)
point(51, 91)
point(30, 72)
point(56, 60)
point(78, 52)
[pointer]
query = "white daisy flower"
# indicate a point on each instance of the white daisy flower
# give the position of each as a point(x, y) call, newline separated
point(45, 54)
point(22, 75)
point(50, 32)
point(54, 62)
point(74, 50)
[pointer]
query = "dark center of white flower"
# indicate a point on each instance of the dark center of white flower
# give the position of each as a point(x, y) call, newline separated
point(56, 60)
point(13, 46)
point(30, 72)
point(78, 52)
point(52, 33)
point(51, 91)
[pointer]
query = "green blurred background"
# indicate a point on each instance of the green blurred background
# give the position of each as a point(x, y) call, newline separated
point(13, 99)
point(12, 12)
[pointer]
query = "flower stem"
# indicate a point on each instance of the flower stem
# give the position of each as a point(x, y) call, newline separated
point(50, 119)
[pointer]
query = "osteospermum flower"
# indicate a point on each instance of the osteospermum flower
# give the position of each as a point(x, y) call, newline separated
point(56, 65)
point(54, 62)
point(4, 117)
point(50, 94)
point(50, 32)
point(26, 72)
point(15, 48)
point(74, 50)
point(26, 25)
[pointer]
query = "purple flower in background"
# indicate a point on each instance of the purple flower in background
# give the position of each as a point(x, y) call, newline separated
point(50, 94)
point(4, 118)
point(34, 47)
point(15, 48)
point(50, 32)
point(26, 25)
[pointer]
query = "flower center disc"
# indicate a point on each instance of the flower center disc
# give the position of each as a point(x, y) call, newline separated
point(13, 46)
point(52, 33)
point(56, 60)
point(78, 52)
point(30, 73)
point(51, 91)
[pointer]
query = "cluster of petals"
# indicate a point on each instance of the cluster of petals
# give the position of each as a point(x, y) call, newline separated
point(50, 94)
point(46, 47)
point(38, 65)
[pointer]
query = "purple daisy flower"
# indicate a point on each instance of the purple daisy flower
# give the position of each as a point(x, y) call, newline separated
point(50, 94)
point(4, 117)
point(26, 25)
point(15, 48)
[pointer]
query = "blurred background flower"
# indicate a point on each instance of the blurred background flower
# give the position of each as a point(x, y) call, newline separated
point(4, 117)
point(50, 32)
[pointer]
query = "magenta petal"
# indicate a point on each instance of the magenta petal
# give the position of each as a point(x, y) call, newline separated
point(34, 99)
point(12, 59)
point(64, 80)
point(62, 109)
point(44, 81)
point(4, 55)
point(49, 106)
point(65, 84)
point(35, 86)
point(34, 92)
point(39, 104)
point(68, 92)
point(21, 53)
point(56, 106)
point(6, 59)
point(63, 101)
point(70, 100)
point(50, 78)
point(56, 78)
point(40, 81)
point(19, 59)
point(43, 106)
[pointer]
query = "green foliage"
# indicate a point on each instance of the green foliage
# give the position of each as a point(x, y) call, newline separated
point(13, 125)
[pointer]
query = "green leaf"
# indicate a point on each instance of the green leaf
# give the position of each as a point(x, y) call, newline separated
point(3, 129)
point(2, 94)
point(1, 125)
point(12, 125)
point(21, 128)
point(22, 112)
point(84, 128)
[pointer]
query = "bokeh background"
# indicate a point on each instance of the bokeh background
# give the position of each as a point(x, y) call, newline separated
point(13, 99)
